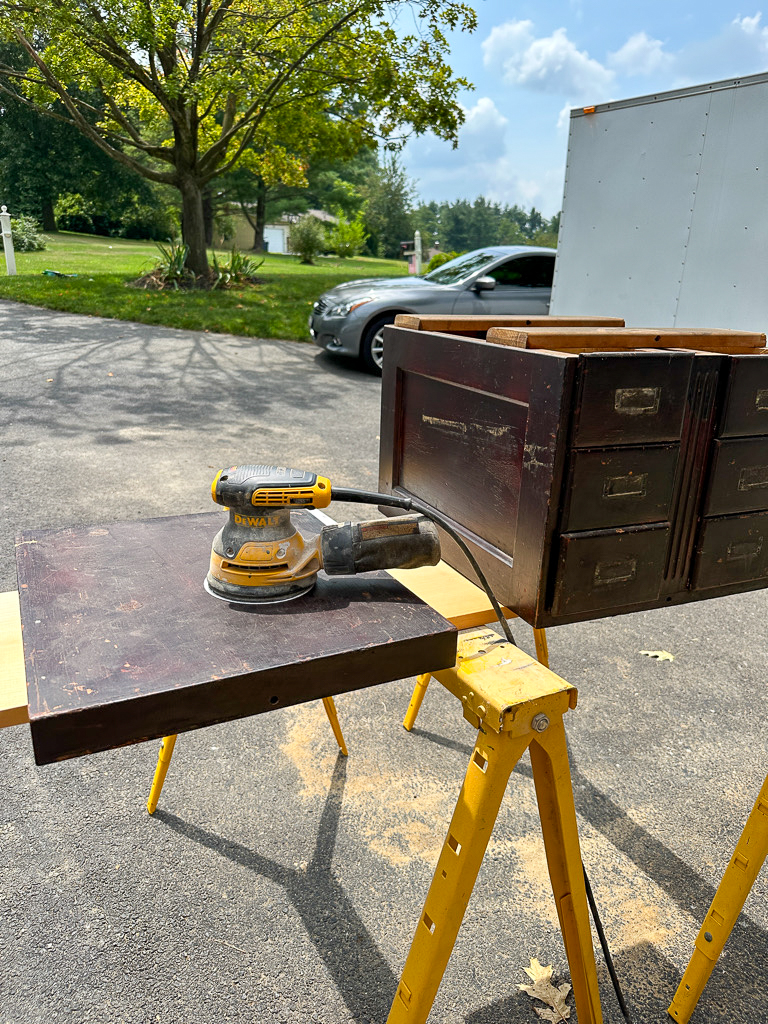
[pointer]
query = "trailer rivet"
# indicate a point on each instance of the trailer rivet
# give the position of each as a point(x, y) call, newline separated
point(540, 723)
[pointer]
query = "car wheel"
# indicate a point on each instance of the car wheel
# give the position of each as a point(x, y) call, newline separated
point(372, 345)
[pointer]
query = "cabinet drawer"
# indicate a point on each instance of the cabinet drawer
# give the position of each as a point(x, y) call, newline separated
point(602, 570)
point(629, 398)
point(739, 477)
point(731, 550)
point(620, 487)
point(746, 399)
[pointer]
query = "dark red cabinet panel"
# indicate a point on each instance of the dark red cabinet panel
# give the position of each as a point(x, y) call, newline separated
point(585, 484)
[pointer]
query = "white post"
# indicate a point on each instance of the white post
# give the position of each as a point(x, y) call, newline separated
point(417, 250)
point(5, 226)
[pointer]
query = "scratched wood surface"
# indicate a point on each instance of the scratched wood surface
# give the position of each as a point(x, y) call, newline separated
point(122, 644)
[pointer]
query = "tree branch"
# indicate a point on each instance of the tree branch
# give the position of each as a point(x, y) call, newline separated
point(83, 124)
point(257, 111)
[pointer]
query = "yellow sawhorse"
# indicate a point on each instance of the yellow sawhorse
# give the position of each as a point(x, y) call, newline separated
point(461, 602)
point(516, 704)
point(452, 595)
point(169, 742)
point(735, 886)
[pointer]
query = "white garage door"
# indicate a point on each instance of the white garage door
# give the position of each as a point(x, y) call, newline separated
point(275, 239)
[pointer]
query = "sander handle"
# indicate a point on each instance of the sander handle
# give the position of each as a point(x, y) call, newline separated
point(404, 542)
point(415, 504)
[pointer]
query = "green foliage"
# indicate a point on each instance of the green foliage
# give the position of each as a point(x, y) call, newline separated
point(546, 238)
point(26, 236)
point(346, 238)
point(129, 214)
point(238, 270)
point(462, 226)
point(440, 258)
point(307, 239)
point(389, 198)
point(181, 92)
point(225, 225)
point(170, 271)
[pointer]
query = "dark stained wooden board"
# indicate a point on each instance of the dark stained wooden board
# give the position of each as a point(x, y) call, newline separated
point(122, 643)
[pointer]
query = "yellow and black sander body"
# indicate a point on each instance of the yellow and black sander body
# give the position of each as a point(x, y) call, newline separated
point(261, 556)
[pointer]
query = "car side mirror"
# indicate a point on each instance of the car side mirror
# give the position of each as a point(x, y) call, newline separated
point(484, 284)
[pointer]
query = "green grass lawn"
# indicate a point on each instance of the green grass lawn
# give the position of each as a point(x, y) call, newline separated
point(276, 308)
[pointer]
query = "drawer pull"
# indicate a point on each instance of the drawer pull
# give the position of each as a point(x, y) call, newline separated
point(615, 572)
point(634, 485)
point(744, 550)
point(752, 477)
point(761, 400)
point(637, 401)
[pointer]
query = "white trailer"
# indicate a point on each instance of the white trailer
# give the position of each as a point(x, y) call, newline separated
point(665, 209)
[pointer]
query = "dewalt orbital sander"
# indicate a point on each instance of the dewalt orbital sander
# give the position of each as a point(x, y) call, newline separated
point(260, 556)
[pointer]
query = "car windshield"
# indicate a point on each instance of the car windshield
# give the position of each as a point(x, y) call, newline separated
point(461, 268)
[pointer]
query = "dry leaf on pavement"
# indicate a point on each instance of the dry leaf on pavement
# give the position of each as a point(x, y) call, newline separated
point(543, 989)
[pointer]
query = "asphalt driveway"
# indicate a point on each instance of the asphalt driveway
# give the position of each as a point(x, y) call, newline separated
point(278, 882)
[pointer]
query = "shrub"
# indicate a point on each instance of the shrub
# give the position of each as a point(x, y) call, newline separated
point(25, 232)
point(169, 271)
point(440, 258)
point(73, 213)
point(128, 215)
point(139, 219)
point(307, 239)
point(347, 239)
point(238, 269)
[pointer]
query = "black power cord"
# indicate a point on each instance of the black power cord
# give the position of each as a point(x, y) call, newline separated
point(414, 504)
point(606, 951)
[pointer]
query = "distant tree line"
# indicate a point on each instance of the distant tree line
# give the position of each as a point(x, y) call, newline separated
point(463, 225)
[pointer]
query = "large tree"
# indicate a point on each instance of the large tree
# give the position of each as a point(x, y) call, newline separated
point(388, 210)
point(191, 87)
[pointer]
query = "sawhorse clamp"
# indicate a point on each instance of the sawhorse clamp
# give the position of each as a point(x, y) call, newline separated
point(516, 704)
point(735, 885)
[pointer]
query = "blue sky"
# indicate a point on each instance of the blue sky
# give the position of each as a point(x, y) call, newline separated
point(531, 62)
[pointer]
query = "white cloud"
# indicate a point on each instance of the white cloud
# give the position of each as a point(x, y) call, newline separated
point(641, 55)
point(550, 64)
point(741, 48)
point(482, 133)
point(750, 25)
point(564, 117)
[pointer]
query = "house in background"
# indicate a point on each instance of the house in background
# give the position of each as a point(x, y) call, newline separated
point(276, 234)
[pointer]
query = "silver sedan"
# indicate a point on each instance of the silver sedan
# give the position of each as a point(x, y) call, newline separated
point(516, 279)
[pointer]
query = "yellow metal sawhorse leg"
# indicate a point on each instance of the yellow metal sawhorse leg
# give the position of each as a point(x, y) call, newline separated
point(735, 886)
point(169, 742)
point(462, 603)
point(517, 704)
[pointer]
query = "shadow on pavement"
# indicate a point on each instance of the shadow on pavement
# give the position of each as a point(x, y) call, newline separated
point(733, 988)
point(87, 375)
point(361, 974)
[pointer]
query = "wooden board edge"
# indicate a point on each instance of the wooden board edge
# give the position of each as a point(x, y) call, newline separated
point(13, 681)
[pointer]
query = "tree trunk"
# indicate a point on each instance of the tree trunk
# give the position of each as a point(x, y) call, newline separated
point(193, 226)
point(261, 217)
point(208, 217)
point(48, 216)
